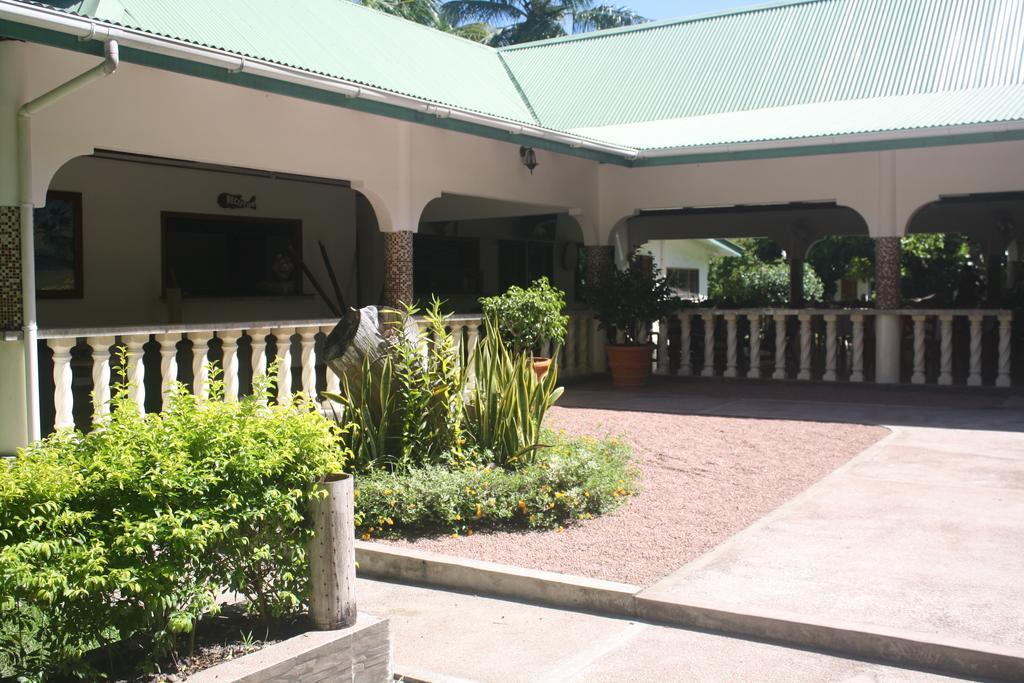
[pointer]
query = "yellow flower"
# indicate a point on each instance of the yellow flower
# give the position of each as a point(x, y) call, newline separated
point(561, 529)
point(522, 505)
point(458, 518)
point(390, 521)
point(479, 511)
point(455, 534)
point(355, 494)
point(470, 532)
point(365, 537)
point(387, 492)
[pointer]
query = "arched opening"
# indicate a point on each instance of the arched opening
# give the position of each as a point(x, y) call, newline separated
point(469, 247)
point(189, 257)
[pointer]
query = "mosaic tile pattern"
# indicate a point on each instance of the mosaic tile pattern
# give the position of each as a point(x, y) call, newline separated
point(887, 272)
point(10, 268)
point(596, 260)
point(397, 268)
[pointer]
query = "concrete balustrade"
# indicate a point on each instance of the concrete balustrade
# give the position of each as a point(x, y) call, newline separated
point(294, 344)
point(829, 345)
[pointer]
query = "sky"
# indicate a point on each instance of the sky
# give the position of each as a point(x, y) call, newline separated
point(671, 9)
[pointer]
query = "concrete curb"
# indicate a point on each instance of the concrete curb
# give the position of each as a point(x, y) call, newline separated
point(955, 656)
point(499, 580)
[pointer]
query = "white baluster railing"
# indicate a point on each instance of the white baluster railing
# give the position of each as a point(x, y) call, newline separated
point(958, 334)
point(831, 349)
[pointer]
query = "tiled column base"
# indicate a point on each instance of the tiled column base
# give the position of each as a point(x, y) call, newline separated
point(596, 260)
point(397, 268)
point(10, 268)
point(887, 273)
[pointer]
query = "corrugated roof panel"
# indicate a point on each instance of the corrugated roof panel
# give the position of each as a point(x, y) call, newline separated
point(821, 119)
point(773, 56)
point(336, 38)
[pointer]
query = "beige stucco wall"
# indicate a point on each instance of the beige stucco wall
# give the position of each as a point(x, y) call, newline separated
point(121, 206)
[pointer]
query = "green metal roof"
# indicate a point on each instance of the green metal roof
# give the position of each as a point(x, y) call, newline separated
point(774, 56)
point(335, 38)
point(781, 72)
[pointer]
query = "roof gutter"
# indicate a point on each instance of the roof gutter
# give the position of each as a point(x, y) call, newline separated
point(836, 140)
point(89, 29)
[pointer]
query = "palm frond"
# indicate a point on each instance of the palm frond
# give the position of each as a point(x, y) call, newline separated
point(493, 12)
point(604, 16)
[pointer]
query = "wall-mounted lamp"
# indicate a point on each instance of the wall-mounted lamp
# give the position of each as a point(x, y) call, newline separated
point(528, 157)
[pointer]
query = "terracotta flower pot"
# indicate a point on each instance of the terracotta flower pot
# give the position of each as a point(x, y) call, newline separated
point(540, 366)
point(630, 365)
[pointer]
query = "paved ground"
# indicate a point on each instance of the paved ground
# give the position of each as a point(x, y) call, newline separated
point(923, 532)
point(442, 636)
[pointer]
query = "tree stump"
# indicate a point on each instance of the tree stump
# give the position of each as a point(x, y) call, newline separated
point(355, 337)
point(332, 555)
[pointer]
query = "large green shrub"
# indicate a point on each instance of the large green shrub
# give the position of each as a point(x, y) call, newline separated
point(748, 282)
point(129, 531)
point(528, 317)
point(570, 479)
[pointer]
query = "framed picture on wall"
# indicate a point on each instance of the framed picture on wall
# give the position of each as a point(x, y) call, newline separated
point(58, 246)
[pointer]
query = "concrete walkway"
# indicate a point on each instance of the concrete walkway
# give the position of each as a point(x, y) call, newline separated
point(922, 534)
point(443, 636)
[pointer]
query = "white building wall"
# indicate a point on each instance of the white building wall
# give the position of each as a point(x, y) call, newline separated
point(682, 254)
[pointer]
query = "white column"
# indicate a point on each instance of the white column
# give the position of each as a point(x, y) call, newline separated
point(945, 349)
point(229, 364)
point(63, 399)
point(283, 354)
point(830, 348)
point(1005, 330)
point(730, 351)
point(136, 369)
point(780, 346)
point(887, 347)
point(754, 371)
point(259, 355)
point(472, 337)
point(663, 360)
point(685, 359)
point(307, 358)
point(598, 360)
point(333, 381)
point(805, 346)
point(200, 359)
point(100, 374)
point(857, 366)
point(709, 344)
point(974, 378)
point(918, 377)
point(168, 365)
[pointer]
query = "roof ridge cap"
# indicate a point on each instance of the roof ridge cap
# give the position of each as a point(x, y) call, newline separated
point(651, 25)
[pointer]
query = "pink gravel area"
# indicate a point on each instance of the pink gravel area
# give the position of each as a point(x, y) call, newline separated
point(702, 479)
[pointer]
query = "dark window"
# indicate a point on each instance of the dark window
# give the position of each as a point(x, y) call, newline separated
point(445, 265)
point(213, 255)
point(686, 281)
point(520, 262)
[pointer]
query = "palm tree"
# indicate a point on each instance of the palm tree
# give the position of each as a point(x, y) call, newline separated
point(426, 12)
point(521, 21)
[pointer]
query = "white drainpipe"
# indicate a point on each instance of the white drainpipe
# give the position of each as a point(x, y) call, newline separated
point(28, 262)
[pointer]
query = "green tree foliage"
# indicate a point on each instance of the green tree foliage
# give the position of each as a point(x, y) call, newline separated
point(838, 257)
point(631, 299)
point(527, 317)
point(522, 21)
point(760, 277)
point(941, 269)
point(131, 530)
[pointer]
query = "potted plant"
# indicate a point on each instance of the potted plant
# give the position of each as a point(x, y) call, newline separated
point(627, 302)
point(527, 317)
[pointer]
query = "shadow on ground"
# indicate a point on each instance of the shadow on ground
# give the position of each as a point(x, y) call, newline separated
point(931, 407)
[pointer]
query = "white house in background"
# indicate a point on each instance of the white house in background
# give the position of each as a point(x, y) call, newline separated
point(684, 263)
